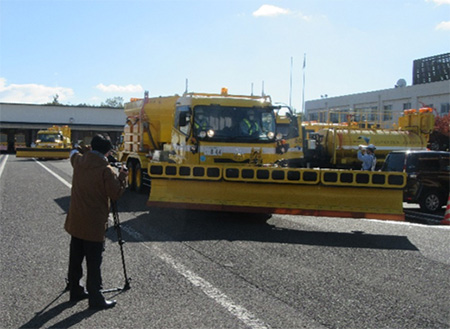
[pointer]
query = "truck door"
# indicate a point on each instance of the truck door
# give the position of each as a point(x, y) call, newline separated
point(181, 132)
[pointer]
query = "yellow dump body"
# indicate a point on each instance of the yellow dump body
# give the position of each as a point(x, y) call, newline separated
point(149, 124)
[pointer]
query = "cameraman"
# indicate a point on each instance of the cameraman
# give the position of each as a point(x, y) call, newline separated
point(94, 182)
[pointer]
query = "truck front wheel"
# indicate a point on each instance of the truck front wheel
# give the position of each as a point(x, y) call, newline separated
point(131, 176)
point(138, 181)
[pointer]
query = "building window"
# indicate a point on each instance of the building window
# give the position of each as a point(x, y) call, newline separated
point(334, 117)
point(313, 116)
point(445, 108)
point(368, 113)
point(387, 113)
point(373, 115)
point(406, 106)
point(343, 115)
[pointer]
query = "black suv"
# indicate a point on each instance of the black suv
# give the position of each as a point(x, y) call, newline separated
point(428, 176)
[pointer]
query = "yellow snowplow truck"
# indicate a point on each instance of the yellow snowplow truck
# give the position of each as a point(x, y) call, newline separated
point(222, 152)
point(52, 143)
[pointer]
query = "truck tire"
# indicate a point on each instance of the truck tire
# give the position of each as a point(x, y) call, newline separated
point(131, 176)
point(138, 178)
point(430, 201)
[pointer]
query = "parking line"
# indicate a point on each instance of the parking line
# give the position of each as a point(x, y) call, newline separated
point(3, 163)
point(62, 180)
point(212, 292)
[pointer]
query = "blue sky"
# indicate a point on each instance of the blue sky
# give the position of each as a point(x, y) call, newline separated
point(88, 51)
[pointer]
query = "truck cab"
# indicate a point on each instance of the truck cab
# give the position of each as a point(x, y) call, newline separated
point(214, 129)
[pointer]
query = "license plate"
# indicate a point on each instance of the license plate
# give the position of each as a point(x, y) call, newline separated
point(214, 151)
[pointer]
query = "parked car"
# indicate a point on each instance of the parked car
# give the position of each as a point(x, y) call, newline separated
point(428, 176)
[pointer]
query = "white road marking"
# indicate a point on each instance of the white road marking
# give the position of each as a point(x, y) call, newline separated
point(212, 292)
point(62, 180)
point(3, 159)
point(240, 312)
point(3, 163)
point(379, 221)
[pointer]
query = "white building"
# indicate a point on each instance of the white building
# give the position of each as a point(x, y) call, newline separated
point(382, 106)
point(431, 88)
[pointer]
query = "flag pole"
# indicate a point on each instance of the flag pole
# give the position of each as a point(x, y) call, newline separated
point(290, 85)
point(303, 88)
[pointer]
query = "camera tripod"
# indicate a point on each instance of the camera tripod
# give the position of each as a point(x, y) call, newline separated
point(118, 229)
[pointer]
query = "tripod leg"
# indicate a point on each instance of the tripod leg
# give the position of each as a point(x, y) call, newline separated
point(121, 242)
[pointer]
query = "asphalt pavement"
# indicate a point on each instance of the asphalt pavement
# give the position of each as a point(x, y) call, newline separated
point(192, 269)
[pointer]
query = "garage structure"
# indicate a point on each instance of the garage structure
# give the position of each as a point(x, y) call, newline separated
point(85, 122)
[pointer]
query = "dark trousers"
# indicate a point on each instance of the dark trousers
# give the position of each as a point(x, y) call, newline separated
point(92, 251)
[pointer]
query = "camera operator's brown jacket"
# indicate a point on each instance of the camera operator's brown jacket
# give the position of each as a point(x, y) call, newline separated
point(94, 182)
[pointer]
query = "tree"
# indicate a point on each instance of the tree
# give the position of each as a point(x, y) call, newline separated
point(442, 124)
point(439, 138)
point(113, 102)
point(55, 100)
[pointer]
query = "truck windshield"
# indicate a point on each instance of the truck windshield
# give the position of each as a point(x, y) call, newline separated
point(49, 137)
point(236, 124)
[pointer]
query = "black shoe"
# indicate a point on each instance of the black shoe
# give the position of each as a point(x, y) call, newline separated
point(102, 305)
point(76, 297)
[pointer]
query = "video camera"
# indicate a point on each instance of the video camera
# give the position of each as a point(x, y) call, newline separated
point(116, 163)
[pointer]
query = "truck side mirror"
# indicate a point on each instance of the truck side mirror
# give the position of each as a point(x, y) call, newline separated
point(183, 121)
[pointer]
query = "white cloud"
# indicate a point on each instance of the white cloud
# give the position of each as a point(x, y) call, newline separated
point(119, 89)
point(32, 93)
point(443, 26)
point(269, 10)
point(304, 17)
point(440, 2)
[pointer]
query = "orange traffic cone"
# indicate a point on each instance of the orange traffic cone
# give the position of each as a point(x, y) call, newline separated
point(446, 220)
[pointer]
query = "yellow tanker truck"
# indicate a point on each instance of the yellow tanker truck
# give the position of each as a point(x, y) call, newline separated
point(222, 152)
point(336, 145)
point(51, 143)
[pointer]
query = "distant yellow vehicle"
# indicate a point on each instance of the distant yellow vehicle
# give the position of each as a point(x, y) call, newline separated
point(53, 143)
point(3, 142)
point(335, 145)
point(19, 141)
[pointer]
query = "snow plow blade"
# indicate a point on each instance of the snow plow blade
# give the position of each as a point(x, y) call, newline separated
point(311, 192)
point(42, 153)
